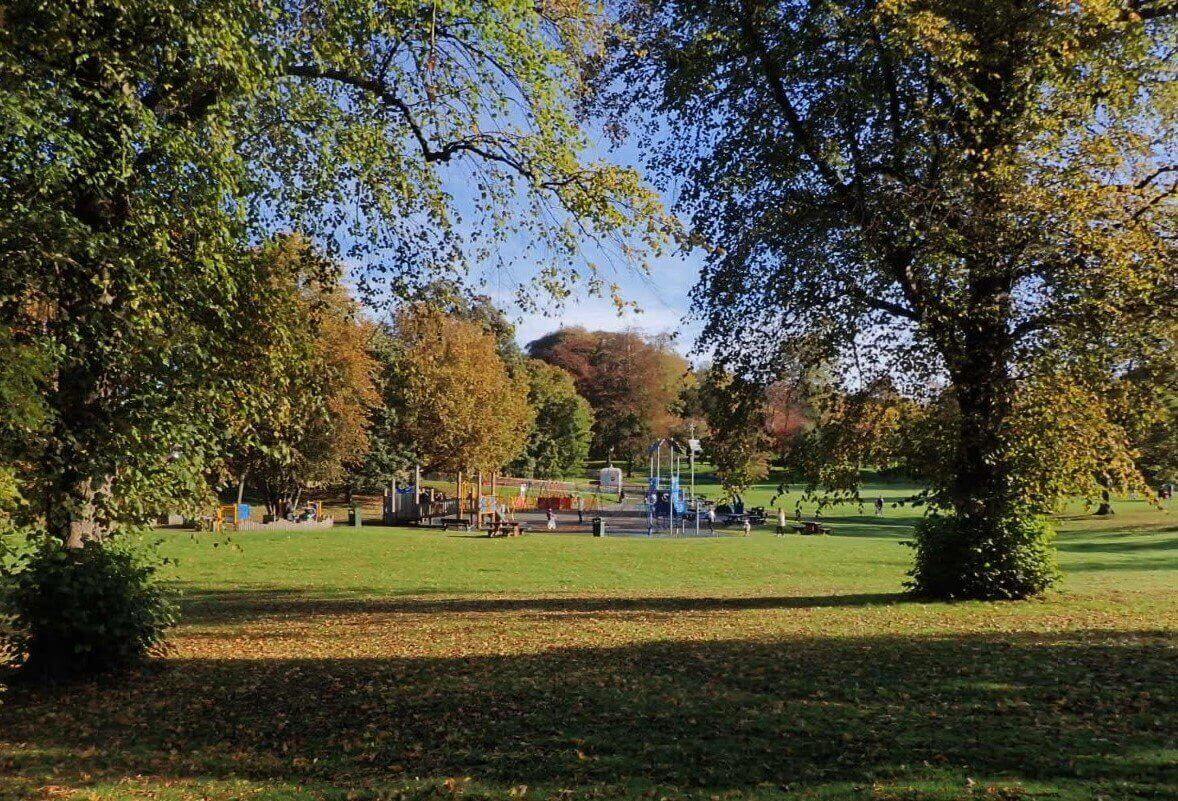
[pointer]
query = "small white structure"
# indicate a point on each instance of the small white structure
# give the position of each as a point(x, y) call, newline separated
point(611, 479)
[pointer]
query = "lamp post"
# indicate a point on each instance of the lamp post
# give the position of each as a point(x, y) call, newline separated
point(692, 447)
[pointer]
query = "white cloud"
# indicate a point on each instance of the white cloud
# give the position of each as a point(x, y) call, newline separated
point(601, 314)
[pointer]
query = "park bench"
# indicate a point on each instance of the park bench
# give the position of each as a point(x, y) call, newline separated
point(810, 527)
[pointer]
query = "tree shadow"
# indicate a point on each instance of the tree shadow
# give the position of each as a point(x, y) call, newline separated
point(232, 606)
point(1078, 707)
point(1121, 567)
point(871, 527)
point(1116, 543)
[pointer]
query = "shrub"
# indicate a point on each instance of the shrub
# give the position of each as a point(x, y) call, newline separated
point(84, 610)
point(958, 558)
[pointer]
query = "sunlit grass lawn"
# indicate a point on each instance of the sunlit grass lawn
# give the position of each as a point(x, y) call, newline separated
point(401, 663)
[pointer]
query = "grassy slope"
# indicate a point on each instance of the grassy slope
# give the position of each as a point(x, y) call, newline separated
point(389, 662)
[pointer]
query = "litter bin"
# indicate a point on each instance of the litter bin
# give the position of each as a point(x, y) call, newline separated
point(598, 527)
point(356, 517)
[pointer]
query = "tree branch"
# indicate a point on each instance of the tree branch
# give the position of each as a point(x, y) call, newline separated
point(483, 146)
point(1158, 173)
point(799, 128)
point(380, 90)
point(895, 309)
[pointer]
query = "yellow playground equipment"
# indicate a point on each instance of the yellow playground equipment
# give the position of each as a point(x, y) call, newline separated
point(226, 517)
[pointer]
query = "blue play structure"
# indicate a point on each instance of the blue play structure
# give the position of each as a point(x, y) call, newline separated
point(666, 503)
point(668, 499)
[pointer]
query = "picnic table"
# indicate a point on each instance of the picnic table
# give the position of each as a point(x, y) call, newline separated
point(505, 529)
point(810, 527)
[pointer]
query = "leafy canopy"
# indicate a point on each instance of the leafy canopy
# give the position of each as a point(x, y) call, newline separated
point(558, 443)
point(974, 193)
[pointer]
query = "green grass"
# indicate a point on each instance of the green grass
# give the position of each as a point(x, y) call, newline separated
point(392, 663)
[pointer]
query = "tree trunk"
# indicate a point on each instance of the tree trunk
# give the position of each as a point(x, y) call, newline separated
point(81, 483)
point(991, 548)
point(82, 467)
point(75, 505)
point(980, 486)
point(1106, 505)
point(981, 489)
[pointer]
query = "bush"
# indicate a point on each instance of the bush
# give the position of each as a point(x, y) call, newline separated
point(84, 610)
point(957, 558)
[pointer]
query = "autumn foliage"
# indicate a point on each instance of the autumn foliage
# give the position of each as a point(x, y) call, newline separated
point(632, 382)
point(458, 407)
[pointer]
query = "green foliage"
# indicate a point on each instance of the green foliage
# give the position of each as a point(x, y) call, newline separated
point(23, 368)
point(119, 232)
point(311, 375)
point(77, 611)
point(959, 558)
point(852, 432)
point(558, 443)
point(1064, 440)
point(144, 143)
point(734, 411)
point(389, 458)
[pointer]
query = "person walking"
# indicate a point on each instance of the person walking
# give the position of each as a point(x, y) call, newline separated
point(551, 524)
point(748, 526)
point(580, 510)
point(780, 521)
point(879, 507)
point(711, 518)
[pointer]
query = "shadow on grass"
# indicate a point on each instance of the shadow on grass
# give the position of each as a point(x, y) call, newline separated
point(869, 526)
point(1116, 543)
point(1072, 708)
point(1120, 567)
point(229, 606)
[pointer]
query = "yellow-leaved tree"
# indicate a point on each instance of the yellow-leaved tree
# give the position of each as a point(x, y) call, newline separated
point(457, 407)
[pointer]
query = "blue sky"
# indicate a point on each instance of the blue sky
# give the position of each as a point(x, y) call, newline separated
point(662, 297)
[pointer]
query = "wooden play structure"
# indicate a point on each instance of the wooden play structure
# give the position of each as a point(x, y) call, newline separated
point(479, 507)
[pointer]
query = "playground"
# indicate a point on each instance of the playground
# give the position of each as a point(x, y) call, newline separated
point(663, 502)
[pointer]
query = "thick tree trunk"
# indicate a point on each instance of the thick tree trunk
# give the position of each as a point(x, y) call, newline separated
point(81, 482)
point(82, 471)
point(981, 483)
point(1106, 505)
point(75, 510)
point(991, 548)
point(978, 358)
